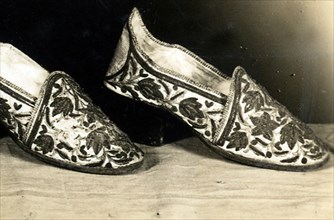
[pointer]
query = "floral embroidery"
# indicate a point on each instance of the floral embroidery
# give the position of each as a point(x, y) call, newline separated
point(98, 139)
point(238, 140)
point(134, 81)
point(258, 125)
point(274, 133)
point(62, 105)
point(313, 150)
point(4, 110)
point(264, 126)
point(290, 134)
point(253, 100)
point(45, 143)
point(149, 89)
point(14, 117)
point(73, 129)
point(190, 108)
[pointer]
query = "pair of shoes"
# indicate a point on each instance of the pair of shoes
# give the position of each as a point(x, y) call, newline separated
point(50, 117)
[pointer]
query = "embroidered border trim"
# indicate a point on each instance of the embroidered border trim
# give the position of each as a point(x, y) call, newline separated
point(171, 73)
point(17, 92)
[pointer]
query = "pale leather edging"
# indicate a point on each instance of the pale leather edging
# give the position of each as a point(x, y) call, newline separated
point(135, 11)
point(232, 104)
point(17, 92)
point(118, 62)
point(36, 112)
point(164, 70)
point(189, 85)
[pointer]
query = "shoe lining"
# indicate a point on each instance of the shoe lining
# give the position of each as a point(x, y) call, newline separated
point(20, 70)
point(177, 59)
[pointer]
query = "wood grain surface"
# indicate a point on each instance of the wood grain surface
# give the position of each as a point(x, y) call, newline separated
point(182, 180)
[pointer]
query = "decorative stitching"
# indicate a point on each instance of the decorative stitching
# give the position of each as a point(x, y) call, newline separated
point(192, 86)
point(160, 69)
point(252, 127)
point(198, 110)
point(69, 127)
point(262, 128)
point(15, 109)
point(149, 35)
point(17, 92)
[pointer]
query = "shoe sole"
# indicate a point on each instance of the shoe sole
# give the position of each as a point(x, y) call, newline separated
point(85, 169)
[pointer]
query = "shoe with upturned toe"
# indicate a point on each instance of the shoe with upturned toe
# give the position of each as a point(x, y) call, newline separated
point(50, 117)
point(234, 116)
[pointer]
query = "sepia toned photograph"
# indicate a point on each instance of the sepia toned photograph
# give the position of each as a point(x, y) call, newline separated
point(166, 109)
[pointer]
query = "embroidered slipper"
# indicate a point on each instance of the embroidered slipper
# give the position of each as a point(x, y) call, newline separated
point(234, 116)
point(50, 117)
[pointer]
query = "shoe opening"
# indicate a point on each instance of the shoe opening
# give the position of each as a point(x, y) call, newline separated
point(20, 70)
point(176, 58)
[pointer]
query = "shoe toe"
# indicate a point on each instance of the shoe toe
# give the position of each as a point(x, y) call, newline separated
point(263, 133)
point(71, 132)
point(121, 154)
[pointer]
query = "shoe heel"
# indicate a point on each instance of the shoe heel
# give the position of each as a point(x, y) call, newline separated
point(161, 127)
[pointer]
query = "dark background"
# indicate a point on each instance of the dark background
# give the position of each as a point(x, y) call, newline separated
point(287, 46)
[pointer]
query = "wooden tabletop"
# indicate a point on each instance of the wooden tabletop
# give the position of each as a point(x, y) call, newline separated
point(182, 180)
